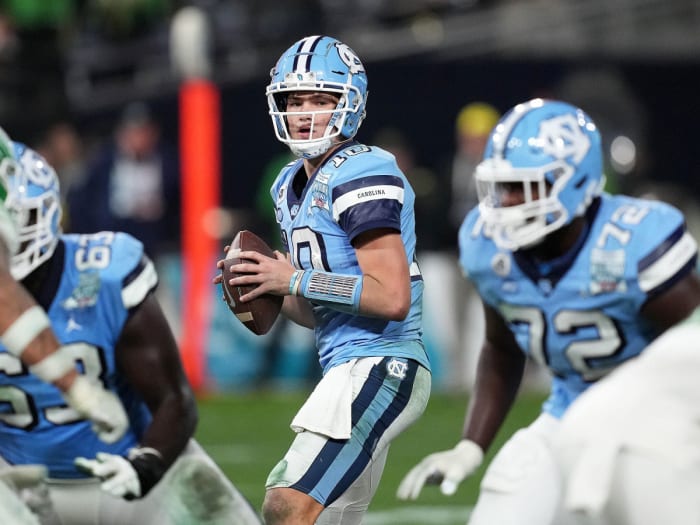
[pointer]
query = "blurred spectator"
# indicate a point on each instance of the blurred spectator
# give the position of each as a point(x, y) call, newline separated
point(33, 34)
point(132, 185)
point(429, 205)
point(62, 147)
point(472, 127)
point(473, 124)
point(120, 20)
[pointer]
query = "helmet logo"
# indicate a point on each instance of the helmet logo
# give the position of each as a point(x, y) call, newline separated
point(41, 175)
point(562, 138)
point(349, 58)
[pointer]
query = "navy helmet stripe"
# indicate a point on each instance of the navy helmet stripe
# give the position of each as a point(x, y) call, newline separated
point(302, 58)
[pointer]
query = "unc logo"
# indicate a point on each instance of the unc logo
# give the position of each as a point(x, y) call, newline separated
point(397, 369)
point(349, 58)
point(562, 138)
point(40, 174)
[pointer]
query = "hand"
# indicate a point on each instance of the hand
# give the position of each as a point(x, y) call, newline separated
point(448, 468)
point(126, 478)
point(118, 476)
point(102, 407)
point(265, 274)
point(23, 476)
point(29, 483)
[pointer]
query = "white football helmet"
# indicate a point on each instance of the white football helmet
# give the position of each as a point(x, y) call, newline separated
point(548, 150)
point(34, 200)
point(314, 64)
point(8, 166)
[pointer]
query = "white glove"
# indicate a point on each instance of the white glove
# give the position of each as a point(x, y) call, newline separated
point(448, 468)
point(101, 406)
point(28, 483)
point(23, 476)
point(118, 476)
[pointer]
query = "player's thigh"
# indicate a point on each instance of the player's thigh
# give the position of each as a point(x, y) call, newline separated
point(351, 506)
point(383, 406)
point(522, 484)
point(76, 502)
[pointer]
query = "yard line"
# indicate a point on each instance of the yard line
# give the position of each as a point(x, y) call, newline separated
point(419, 515)
point(231, 453)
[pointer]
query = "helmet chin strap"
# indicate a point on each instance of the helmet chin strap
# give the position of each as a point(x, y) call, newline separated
point(312, 148)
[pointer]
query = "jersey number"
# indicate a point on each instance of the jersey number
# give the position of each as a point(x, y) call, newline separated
point(308, 249)
point(23, 413)
point(579, 353)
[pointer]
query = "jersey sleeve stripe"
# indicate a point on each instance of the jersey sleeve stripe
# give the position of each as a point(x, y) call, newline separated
point(666, 261)
point(364, 190)
point(136, 291)
point(662, 248)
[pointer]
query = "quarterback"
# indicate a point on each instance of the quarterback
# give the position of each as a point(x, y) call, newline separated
point(346, 215)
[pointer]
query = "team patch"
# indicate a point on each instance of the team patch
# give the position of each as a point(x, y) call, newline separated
point(607, 271)
point(319, 196)
point(85, 293)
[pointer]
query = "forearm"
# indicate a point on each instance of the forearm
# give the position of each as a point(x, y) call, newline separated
point(498, 380)
point(174, 412)
point(18, 308)
point(298, 310)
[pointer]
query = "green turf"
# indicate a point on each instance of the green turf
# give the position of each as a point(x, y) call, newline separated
point(248, 433)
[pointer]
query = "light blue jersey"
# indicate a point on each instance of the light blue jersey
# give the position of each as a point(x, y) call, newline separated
point(581, 316)
point(92, 283)
point(357, 189)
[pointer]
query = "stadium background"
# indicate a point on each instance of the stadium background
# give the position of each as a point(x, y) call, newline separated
point(632, 64)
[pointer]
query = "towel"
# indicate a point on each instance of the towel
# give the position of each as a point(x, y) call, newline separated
point(328, 410)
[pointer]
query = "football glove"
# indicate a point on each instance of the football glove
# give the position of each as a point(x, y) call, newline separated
point(23, 476)
point(125, 478)
point(28, 483)
point(102, 407)
point(448, 468)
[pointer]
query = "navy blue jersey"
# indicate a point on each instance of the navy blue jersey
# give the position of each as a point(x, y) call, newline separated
point(92, 284)
point(582, 318)
point(357, 189)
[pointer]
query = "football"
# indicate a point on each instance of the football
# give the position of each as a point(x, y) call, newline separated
point(261, 313)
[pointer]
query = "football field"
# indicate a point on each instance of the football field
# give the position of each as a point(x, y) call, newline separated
point(248, 433)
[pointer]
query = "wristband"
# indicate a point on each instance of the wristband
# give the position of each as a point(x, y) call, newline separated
point(339, 291)
point(149, 466)
point(295, 281)
point(24, 330)
point(53, 366)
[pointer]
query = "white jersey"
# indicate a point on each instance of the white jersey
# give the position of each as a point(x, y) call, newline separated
point(629, 447)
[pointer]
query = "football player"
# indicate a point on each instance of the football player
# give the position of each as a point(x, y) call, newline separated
point(629, 446)
point(578, 279)
point(98, 292)
point(346, 213)
point(32, 347)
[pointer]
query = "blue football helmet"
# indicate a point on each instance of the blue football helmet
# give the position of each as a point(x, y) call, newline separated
point(550, 152)
point(314, 64)
point(34, 200)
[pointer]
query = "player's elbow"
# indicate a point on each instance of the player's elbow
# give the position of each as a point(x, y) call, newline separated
point(397, 308)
